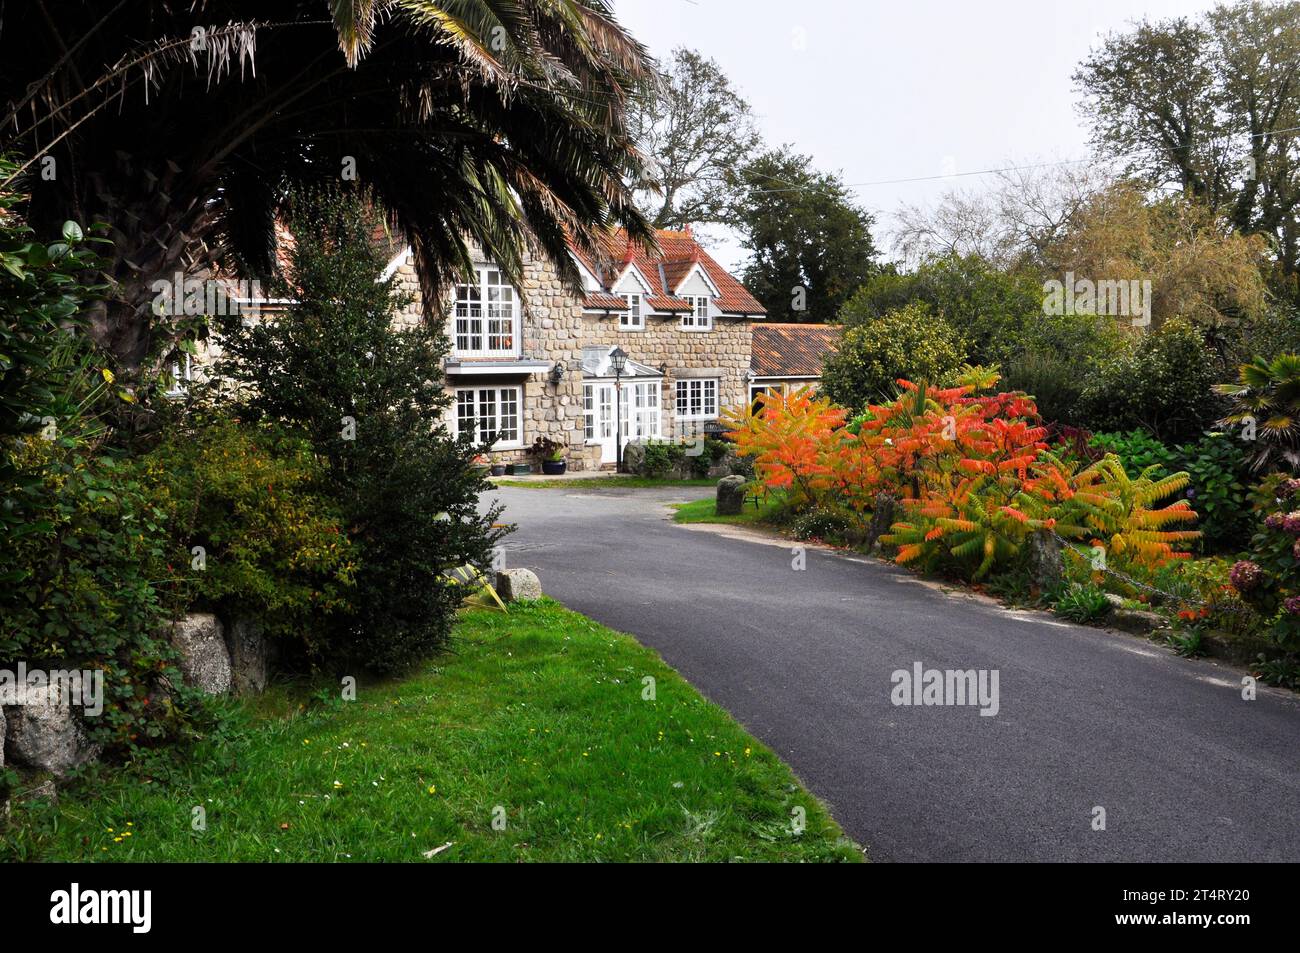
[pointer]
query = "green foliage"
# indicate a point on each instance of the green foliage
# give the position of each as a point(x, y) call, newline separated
point(491, 124)
point(665, 457)
point(994, 310)
point(910, 343)
point(272, 541)
point(1058, 355)
point(42, 296)
point(333, 369)
point(1218, 467)
point(803, 230)
point(1082, 603)
point(1162, 385)
point(1266, 408)
point(93, 569)
point(824, 524)
point(1269, 581)
point(1137, 450)
point(544, 448)
point(1269, 335)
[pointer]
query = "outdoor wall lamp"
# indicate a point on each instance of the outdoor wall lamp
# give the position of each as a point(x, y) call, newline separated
point(557, 373)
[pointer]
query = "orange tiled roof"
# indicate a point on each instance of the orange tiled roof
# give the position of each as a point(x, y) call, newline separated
point(792, 350)
point(679, 253)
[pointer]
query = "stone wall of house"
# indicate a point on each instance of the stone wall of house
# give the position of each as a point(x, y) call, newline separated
point(551, 327)
point(722, 352)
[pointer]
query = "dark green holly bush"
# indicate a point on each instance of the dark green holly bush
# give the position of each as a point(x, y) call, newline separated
point(1163, 384)
point(333, 369)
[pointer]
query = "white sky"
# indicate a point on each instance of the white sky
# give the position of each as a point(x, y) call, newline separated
point(880, 90)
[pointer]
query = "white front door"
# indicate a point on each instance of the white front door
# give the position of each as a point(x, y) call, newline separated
point(639, 404)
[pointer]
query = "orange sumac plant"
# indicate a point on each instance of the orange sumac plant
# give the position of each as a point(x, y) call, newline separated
point(974, 473)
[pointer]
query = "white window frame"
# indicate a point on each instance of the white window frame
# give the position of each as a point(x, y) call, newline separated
point(690, 391)
point(182, 375)
point(699, 318)
point(641, 416)
point(483, 312)
point(634, 318)
point(487, 405)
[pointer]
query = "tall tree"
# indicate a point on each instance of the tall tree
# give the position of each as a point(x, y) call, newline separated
point(1211, 106)
point(494, 120)
point(810, 245)
point(697, 131)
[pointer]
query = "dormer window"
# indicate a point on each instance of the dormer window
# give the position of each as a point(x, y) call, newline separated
point(487, 316)
point(634, 319)
point(698, 318)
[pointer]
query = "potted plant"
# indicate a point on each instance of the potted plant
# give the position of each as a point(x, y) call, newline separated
point(551, 455)
point(481, 463)
point(498, 468)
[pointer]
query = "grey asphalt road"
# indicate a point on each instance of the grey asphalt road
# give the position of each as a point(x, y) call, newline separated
point(1184, 768)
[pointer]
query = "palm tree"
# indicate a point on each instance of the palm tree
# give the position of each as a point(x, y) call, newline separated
point(183, 126)
point(1266, 408)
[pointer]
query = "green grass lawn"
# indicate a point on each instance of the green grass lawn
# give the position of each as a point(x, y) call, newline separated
point(535, 718)
point(603, 483)
point(705, 511)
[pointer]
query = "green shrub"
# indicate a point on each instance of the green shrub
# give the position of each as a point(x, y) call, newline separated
point(909, 343)
point(1055, 358)
point(1082, 603)
point(1137, 450)
point(1162, 385)
point(273, 545)
point(824, 524)
point(1219, 468)
point(660, 458)
point(1265, 410)
point(992, 309)
point(91, 575)
point(1269, 581)
point(333, 369)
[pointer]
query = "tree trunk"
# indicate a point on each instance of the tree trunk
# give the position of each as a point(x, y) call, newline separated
point(159, 220)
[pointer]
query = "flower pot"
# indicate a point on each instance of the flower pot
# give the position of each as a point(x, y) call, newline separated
point(554, 467)
point(499, 470)
point(520, 469)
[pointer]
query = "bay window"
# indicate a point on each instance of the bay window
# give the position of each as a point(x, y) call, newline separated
point(491, 414)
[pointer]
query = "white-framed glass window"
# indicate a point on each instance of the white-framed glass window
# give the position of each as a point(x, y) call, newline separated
point(641, 410)
point(699, 318)
point(486, 316)
point(589, 410)
point(635, 316)
point(491, 414)
point(697, 398)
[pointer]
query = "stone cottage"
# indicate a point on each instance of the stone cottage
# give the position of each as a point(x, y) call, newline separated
point(535, 361)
